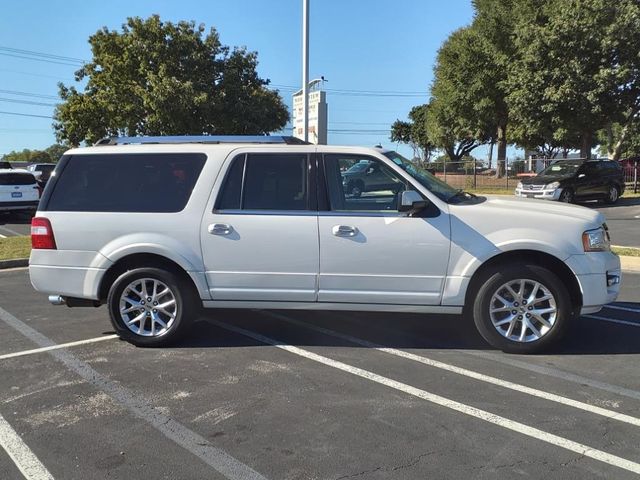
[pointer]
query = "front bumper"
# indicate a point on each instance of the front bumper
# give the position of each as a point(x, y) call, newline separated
point(599, 276)
point(553, 194)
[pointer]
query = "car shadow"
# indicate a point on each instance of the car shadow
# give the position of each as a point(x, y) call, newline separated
point(393, 330)
point(622, 202)
point(16, 218)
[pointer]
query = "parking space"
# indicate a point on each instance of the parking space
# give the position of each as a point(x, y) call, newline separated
point(317, 395)
point(14, 224)
point(624, 221)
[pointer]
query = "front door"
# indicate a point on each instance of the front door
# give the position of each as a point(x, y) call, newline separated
point(260, 241)
point(372, 253)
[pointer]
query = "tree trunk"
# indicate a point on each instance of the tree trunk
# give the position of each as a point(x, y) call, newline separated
point(616, 150)
point(491, 152)
point(587, 141)
point(501, 161)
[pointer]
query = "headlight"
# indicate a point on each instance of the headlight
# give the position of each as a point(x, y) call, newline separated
point(519, 186)
point(596, 240)
point(552, 186)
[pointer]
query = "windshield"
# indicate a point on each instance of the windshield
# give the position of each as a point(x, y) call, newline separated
point(436, 186)
point(561, 169)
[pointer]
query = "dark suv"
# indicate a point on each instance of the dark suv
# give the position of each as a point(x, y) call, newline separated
point(575, 180)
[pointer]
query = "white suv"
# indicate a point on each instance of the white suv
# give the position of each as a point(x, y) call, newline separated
point(19, 190)
point(159, 227)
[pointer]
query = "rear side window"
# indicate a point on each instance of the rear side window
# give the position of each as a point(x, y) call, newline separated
point(17, 179)
point(143, 182)
point(266, 182)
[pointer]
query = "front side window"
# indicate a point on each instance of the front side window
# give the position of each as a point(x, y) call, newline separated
point(266, 182)
point(358, 183)
point(137, 182)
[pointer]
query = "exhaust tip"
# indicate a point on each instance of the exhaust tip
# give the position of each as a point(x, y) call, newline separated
point(56, 300)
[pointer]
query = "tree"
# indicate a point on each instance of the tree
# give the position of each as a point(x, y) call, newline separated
point(577, 71)
point(462, 110)
point(414, 133)
point(161, 78)
point(56, 150)
point(28, 156)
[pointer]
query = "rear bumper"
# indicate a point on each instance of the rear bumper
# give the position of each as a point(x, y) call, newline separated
point(21, 205)
point(79, 282)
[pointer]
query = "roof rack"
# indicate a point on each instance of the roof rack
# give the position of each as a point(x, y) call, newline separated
point(211, 139)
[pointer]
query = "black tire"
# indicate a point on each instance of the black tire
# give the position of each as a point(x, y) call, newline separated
point(355, 188)
point(187, 305)
point(613, 195)
point(566, 196)
point(492, 282)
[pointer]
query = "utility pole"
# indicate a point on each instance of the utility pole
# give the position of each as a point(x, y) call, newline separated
point(305, 67)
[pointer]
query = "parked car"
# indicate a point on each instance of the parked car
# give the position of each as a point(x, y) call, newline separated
point(42, 171)
point(18, 190)
point(575, 180)
point(158, 227)
point(5, 165)
point(366, 176)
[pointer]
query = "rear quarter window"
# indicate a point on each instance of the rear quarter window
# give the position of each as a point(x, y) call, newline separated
point(141, 182)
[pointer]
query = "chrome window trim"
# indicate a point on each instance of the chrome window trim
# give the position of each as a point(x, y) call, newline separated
point(283, 213)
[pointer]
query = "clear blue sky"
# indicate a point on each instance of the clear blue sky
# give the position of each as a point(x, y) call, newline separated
point(370, 45)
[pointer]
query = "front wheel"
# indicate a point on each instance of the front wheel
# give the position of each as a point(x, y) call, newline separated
point(612, 195)
point(151, 307)
point(522, 309)
point(566, 196)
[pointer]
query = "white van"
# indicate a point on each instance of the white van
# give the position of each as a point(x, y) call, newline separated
point(158, 227)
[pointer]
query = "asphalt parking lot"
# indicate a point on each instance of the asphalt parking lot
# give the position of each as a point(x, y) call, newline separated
point(313, 395)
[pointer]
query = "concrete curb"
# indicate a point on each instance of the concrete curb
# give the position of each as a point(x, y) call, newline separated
point(14, 263)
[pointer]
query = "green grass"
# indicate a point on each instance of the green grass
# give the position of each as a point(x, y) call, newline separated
point(15, 247)
point(626, 251)
point(628, 193)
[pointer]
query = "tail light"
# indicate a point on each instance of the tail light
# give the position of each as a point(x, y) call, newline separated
point(42, 234)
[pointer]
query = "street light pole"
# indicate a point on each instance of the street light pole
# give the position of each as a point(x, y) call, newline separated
point(305, 67)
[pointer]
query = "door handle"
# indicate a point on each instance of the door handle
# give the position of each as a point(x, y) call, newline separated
point(344, 231)
point(220, 229)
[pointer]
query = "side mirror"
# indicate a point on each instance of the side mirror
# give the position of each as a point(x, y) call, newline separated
point(411, 201)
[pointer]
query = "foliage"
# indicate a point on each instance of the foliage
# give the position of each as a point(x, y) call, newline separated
point(164, 78)
point(49, 154)
point(461, 113)
point(576, 71)
point(414, 133)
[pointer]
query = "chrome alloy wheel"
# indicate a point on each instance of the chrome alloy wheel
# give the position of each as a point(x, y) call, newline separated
point(148, 307)
point(613, 194)
point(523, 310)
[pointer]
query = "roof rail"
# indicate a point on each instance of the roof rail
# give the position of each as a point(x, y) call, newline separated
point(211, 139)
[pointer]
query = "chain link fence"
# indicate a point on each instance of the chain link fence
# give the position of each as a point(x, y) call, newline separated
point(505, 175)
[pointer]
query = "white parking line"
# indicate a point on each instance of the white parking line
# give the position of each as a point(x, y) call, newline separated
point(626, 309)
point(467, 373)
point(503, 422)
point(56, 347)
point(21, 454)
point(613, 320)
point(12, 232)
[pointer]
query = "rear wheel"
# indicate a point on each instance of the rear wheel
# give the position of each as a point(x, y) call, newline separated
point(522, 309)
point(151, 307)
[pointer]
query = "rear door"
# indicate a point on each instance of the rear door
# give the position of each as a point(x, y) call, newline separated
point(260, 238)
point(372, 253)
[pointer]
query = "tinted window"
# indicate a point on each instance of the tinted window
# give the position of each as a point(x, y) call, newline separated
point(17, 179)
point(373, 189)
point(229, 198)
point(126, 182)
point(275, 182)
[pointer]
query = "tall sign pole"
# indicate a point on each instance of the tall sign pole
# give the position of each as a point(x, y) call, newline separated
point(305, 67)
